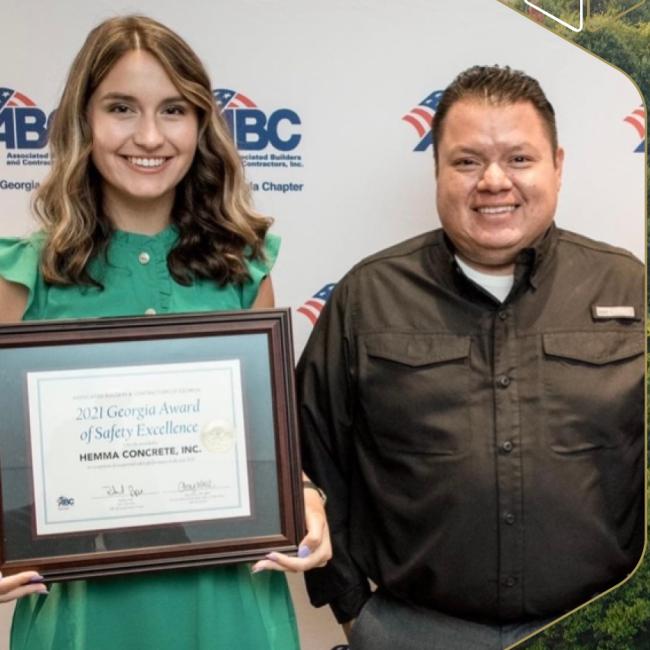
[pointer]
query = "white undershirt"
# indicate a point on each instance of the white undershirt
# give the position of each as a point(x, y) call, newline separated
point(498, 285)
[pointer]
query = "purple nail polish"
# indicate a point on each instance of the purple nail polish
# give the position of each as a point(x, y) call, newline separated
point(36, 579)
point(304, 551)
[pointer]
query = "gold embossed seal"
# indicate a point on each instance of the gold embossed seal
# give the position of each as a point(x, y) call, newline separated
point(218, 436)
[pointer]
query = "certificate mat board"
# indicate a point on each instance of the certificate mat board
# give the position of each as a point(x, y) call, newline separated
point(147, 443)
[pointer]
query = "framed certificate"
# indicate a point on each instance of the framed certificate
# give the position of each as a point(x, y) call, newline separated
point(134, 444)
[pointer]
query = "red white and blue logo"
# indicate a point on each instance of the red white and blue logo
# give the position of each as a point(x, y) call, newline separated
point(637, 119)
point(421, 117)
point(266, 140)
point(254, 129)
point(226, 98)
point(23, 139)
point(12, 99)
point(312, 307)
point(23, 125)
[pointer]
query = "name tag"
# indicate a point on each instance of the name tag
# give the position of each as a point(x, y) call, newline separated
point(616, 311)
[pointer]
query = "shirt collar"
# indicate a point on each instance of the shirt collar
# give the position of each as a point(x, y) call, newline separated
point(532, 260)
point(529, 263)
point(165, 238)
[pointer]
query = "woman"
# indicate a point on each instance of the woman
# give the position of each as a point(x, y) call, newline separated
point(146, 211)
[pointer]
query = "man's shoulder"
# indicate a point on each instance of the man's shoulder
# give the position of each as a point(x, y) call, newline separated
point(570, 242)
point(408, 251)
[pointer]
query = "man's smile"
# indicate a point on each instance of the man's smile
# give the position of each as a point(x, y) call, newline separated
point(496, 209)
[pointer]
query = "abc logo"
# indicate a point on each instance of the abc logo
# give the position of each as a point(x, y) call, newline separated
point(24, 127)
point(254, 131)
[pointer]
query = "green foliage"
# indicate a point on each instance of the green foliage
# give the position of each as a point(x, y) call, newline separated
point(624, 40)
point(618, 621)
point(624, 45)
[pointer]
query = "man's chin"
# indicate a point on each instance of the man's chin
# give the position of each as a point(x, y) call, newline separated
point(497, 260)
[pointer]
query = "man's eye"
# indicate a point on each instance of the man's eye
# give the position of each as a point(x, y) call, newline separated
point(464, 162)
point(520, 160)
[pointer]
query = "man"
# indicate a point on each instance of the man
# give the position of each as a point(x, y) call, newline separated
point(472, 399)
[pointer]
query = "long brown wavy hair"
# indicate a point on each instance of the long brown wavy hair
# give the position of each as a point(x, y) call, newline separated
point(218, 229)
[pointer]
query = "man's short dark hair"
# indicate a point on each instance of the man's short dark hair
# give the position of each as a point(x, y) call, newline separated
point(496, 85)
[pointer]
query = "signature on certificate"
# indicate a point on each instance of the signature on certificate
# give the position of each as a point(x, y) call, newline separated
point(195, 486)
point(122, 490)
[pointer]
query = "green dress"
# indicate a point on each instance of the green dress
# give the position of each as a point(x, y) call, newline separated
point(197, 609)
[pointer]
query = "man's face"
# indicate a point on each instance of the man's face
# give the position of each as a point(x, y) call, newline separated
point(498, 180)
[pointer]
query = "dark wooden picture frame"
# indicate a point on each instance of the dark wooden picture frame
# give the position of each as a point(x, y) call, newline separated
point(277, 514)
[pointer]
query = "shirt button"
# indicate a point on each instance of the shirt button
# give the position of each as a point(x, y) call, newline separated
point(503, 315)
point(510, 582)
point(507, 446)
point(509, 518)
point(150, 312)
point(144, 257)
point(503, 381)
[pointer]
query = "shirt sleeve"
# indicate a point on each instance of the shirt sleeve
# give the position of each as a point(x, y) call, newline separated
point(326, 389)
point(259, 269)
point(19, 262)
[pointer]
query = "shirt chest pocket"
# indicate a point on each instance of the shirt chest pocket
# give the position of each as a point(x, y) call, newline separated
point(414, 390)
point(593, 389)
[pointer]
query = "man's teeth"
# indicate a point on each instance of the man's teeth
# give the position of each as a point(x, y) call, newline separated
point(500, 209)
point(147, 162)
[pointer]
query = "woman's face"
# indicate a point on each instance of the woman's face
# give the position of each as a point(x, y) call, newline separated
point(144, 135)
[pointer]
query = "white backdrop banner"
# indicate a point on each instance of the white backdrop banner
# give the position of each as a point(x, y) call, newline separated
point(330, 105)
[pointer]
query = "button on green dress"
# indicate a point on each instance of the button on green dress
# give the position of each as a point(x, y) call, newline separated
point(198, 609)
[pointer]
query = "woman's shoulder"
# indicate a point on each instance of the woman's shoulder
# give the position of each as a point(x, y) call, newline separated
point(259, 268)
point(20, 258)
point(20, 267)
point(270, 250)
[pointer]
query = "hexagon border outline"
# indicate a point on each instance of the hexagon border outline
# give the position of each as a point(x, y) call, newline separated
point(559, 20)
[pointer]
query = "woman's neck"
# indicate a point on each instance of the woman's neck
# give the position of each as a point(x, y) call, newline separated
point(145, 217)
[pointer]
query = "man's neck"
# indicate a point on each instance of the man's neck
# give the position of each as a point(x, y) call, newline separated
point(496, 284)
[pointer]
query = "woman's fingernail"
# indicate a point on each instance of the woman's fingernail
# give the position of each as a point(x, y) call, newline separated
point(36, 579)
point(272, 556)
point(257, 569)
point(304, 551)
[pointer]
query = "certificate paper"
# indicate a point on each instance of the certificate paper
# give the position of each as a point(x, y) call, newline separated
point(137, 445)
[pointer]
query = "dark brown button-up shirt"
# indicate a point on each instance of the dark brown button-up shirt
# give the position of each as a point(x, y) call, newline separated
point(480, 458)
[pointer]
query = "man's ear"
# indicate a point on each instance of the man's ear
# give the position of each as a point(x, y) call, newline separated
point(558, 160)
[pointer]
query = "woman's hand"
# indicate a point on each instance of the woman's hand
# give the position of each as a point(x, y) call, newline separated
point(315, 549)
point(21, 584)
